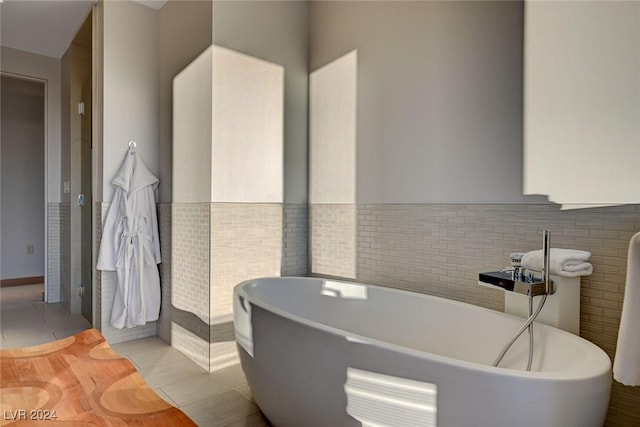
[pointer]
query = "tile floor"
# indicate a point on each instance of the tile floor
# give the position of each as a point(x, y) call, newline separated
point(218, 399)
point(20, 294)
point(32, 323)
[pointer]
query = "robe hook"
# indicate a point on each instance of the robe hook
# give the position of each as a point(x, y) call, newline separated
point(132, 145)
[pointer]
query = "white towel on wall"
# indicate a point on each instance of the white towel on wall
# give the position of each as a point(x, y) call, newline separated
point(626, 366)
point(562, 262)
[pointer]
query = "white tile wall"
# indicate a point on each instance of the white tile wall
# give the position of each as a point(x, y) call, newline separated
point(65, 254)
point(214, 246)
point(246, 242)
point(53, 252)
point(164, 230)
point(333, 239)
point(295, 240)
point(192, 345)
point(190, 258)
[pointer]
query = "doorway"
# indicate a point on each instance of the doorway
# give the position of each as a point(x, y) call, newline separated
point(22, 195)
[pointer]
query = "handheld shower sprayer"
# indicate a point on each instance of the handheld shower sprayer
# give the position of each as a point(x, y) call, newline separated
point(546, 251)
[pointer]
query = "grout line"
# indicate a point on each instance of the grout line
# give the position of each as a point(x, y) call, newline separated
point(165, 396)
point(242, 394)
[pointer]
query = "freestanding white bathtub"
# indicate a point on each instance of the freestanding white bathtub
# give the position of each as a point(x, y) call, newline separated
point(325, 353)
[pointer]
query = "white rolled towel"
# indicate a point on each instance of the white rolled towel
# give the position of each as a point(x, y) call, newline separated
point(626, 365)
point(562, 262)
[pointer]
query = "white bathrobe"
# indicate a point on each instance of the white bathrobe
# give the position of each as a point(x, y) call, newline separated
point(130, 245)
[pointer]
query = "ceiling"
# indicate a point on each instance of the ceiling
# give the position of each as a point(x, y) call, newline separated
point(46, 27)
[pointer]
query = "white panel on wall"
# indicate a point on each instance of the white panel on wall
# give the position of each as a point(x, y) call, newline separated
point(582, 102)
point(332, 131)
point(247, 142)
point(192, 105)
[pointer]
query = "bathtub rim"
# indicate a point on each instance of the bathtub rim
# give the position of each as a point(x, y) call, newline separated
point(585, 371)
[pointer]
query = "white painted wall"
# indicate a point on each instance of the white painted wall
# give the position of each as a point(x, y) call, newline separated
point(185, 31)
point(228, 129)
point(131, 86)
point(582, 101)
point(47, 69)
point(333, 101)
point(439, 111)
point(192, 130)
point(276, 31)
point(247, 129)
point(22, 194)
point(144, 48)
